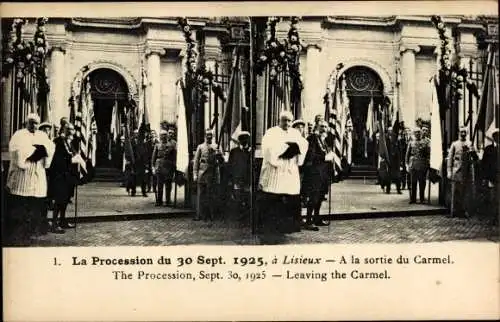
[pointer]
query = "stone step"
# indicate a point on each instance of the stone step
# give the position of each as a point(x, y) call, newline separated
point(107, 175)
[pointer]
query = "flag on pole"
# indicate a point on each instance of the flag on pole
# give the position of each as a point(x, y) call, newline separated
point(82, 124)
point(383, 152)
point(333, 115)
point(143, 115)
point(239, 106)
point(232, 112)
point(488, 102)
point(436, 158)
point(370, 126)
point(115, 124)
point(182, 158)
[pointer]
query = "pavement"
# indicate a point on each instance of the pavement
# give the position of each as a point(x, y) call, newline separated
point(184, 231)
point(109, 217)
point(350, 199)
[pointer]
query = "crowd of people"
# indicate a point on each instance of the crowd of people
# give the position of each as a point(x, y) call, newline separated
point(296, 173)
point(297, 170)
point(42, 176)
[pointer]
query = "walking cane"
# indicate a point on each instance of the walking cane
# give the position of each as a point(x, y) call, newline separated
point(76, 196)
point(330, 197)
point(452, 198)
point(428, 191)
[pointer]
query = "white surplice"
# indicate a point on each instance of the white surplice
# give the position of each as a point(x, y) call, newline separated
point(26, 178)
point(281, 176)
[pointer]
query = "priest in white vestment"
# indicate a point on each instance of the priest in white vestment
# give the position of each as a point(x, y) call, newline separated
point(31, 152)
point(284, 150)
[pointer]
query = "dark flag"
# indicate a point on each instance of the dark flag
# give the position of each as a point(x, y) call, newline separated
point(232, 112)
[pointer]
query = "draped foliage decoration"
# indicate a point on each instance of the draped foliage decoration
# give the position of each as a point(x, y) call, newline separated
point(283, 55)
point(197, 74)
point(27, 56)
point(450, 70)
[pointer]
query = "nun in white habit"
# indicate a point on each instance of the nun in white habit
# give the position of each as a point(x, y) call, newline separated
point(284, 150)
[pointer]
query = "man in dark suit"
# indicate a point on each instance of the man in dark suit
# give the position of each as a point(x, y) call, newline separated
point(316, 175)
point(489, 171)
point(390, 171)
point(140, 165)
point(240, 174)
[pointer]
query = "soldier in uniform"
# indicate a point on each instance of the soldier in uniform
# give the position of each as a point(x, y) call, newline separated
point(426, 133)
point(207, 159)
point(457, 171)
point(163, 163)
point(240, 174)
point(417, 160)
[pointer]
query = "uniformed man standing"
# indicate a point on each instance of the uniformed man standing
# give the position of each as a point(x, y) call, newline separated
point(206, 174)
point(163, 164)
point(417, 160)
point(240, 173)
point(457, 171)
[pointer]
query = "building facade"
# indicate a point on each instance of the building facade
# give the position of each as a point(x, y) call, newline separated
point(392, 57)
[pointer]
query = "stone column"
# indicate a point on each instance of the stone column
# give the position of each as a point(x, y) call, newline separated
point(408, 107)
point(313, 86)
point(57, 80)
point(153, 91)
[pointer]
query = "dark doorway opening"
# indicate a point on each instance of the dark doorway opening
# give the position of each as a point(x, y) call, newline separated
point(364, 87)
point(109, 93)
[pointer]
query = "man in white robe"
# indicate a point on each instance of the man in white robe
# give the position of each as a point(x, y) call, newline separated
point(31, 153)
point(284, 150)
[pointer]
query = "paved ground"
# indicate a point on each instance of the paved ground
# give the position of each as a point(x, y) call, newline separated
point(184, 231)
point(349, 197)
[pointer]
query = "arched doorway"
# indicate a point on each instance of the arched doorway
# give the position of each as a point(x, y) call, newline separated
point(364, 86)
point(110, 93)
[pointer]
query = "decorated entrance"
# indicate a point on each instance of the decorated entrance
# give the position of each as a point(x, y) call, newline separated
point(109, 93)
point(365, 92)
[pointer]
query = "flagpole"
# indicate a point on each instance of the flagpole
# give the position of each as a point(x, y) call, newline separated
point(252, 132)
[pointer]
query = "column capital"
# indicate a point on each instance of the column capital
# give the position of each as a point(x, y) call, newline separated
point(149, 51)
point(409, 47)
point(57, 47)
point(312, 45)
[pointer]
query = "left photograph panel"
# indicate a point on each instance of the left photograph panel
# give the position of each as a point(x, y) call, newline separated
point(118, 131)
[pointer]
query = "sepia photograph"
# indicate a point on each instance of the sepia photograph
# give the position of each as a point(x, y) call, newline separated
point(258, 161)
point(151, 131)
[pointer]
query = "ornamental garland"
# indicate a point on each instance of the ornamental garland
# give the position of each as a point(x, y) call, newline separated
point(26, 56)
point(197, 75)
point(450, 71)
point(280, 55)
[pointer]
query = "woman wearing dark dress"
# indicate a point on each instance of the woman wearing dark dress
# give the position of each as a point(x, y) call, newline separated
point(63, 179)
